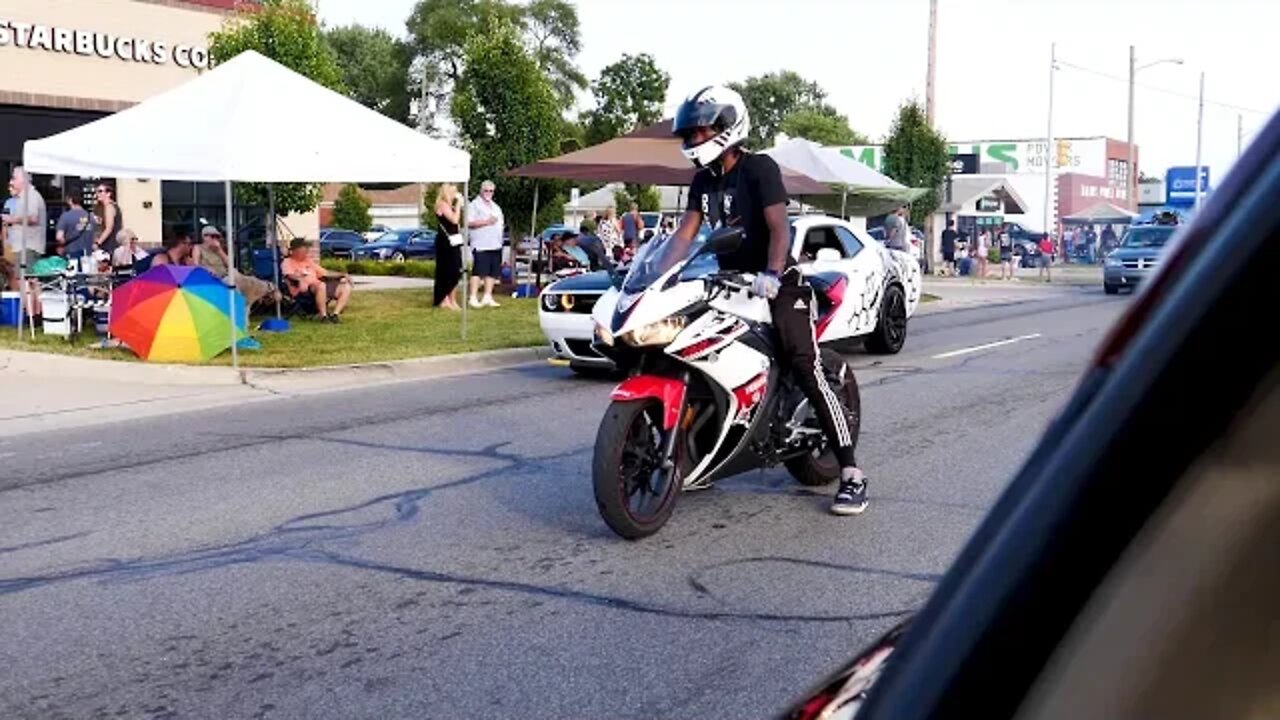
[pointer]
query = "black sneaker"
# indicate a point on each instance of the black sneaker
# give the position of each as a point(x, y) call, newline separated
point(851, 498)
point(333, 318)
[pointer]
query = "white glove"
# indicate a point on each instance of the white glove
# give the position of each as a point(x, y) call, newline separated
point(766, 285)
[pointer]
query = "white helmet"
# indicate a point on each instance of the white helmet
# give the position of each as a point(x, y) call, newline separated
point(716, 107)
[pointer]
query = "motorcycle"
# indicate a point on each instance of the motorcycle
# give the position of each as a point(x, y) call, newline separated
point(705, 398)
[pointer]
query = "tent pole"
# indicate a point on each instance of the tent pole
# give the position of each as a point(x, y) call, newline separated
point(273, 238)
point(466, 252)
point(533, 230)
point(231, 278)
point(844, 196)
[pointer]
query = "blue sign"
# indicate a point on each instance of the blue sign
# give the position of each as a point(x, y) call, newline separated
point(1180, 185)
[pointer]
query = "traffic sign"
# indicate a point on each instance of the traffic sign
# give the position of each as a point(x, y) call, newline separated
point(1180, 185)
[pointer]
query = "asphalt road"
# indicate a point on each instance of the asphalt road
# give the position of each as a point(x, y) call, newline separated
point(431, 549)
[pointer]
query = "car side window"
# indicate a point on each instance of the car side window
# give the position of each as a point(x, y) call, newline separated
point(819, 238)
point(852, 245)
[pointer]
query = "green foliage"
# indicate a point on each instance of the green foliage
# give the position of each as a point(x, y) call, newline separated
point(374, 67)
point(548, 30)
point(821, 125)
point(507, 115)
point(646, 196)
point(993, 255)
point(411, 268)
point(551, 212)
point(629, 93)
point(285, 31)
point(917, 156)
point(351, 210)
point(770, 98)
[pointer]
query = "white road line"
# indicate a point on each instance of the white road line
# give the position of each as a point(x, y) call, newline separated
point(987, 346)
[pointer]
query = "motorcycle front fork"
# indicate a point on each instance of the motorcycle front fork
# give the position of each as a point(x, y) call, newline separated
point(669, 442)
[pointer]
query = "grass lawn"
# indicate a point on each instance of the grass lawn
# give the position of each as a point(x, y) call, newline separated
point(383, 325)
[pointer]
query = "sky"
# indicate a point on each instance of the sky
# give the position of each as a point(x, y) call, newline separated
point(992, 62)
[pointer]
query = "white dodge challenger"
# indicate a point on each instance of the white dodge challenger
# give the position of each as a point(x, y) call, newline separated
point(865, 291)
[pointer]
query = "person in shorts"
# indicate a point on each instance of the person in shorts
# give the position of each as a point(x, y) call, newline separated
point(305, 275)
point(1005, 243)
point(1046, 258)
point(484, 219)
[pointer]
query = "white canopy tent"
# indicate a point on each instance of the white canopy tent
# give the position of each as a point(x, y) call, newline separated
point(830, 167)
point(250, 119)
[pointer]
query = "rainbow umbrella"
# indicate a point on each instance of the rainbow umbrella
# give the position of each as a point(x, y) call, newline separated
point(175, 313)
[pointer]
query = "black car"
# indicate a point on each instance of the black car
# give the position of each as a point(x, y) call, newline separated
point(339, 243)
point(400, 245)
point(1132, 567)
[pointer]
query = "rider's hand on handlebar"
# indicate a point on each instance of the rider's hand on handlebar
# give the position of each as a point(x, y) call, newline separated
point(766, 285)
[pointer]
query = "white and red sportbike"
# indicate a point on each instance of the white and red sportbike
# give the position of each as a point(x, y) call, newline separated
point(706, 397)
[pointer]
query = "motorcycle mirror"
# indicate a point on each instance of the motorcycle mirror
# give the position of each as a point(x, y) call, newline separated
point(724, 240)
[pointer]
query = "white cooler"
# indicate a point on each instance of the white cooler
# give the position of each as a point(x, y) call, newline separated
point(57, 313)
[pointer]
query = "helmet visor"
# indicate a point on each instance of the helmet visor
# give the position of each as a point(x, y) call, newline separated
point(694, 115)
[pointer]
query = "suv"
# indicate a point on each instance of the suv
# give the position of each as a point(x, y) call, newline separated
point(1138, 253)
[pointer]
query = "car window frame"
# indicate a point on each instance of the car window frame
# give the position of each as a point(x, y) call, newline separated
point(829, 231)
point(851, 251)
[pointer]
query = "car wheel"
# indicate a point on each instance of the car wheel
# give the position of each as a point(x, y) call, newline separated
point(1110, 289)
point(891, 327)
point(397, 256)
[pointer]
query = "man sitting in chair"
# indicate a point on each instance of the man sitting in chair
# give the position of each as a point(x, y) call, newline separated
point(304, 275)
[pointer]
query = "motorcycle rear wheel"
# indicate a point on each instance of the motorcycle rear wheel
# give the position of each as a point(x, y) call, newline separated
point(824, 468)
point(634, 494)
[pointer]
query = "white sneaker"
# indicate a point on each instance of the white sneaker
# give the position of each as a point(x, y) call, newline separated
point(489, 302)
point(475, 303)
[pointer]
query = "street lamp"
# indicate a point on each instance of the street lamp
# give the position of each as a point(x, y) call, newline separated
point(1131, 183)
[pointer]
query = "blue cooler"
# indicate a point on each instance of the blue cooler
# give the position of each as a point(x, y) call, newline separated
point(9, 306)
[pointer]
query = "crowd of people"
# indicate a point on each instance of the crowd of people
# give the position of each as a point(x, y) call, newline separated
point(971, 256)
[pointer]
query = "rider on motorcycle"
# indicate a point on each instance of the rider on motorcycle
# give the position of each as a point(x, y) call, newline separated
point(737, 188)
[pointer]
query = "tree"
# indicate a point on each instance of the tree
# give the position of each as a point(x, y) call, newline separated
point(285, 31)
point(374, 67)
point(917, 156)
point(629, 94)
point(439, 30)
point(822, 127)
point(551, 27)
point(351, 210)
point(646, 197)
point(770, 98)
point(507, 114)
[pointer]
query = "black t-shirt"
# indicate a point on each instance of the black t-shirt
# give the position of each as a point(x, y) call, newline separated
point(738, 198)
point(949, 240)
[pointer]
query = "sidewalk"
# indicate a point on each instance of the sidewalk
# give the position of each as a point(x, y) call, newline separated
point(390, 282)
point(44, 392)
point(961, 293)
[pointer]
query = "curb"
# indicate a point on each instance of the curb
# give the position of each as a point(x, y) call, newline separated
point(412, 368)
point(66, 367)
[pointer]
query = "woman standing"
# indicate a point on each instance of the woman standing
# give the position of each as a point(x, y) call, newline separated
point(983, 252)
point(448, 246)
point(111, 221)
point(610, 233)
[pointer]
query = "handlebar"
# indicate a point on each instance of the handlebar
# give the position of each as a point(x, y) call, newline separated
point(730, 280)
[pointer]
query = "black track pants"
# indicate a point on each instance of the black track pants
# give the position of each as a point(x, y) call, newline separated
point(793, 318)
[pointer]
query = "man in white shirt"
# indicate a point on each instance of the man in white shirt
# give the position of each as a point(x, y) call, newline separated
point(25, 225)
point(484, 220)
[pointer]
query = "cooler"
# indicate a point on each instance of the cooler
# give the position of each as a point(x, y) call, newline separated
point(10, 303)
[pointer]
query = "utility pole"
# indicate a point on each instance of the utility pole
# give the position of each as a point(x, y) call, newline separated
point(1048, 146)
point(1199, 138)
point(1132, 182)
point(929, 113)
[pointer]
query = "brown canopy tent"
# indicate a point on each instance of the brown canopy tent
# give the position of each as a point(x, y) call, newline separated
point(647, 156)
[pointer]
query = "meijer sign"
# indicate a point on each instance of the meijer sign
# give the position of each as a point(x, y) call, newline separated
point(104, 45)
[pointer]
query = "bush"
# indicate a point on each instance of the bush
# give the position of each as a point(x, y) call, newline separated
point(351, 210)
point(414, 268)
point(993, 255)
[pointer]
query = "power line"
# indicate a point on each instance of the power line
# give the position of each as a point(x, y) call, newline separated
point(1175, 93)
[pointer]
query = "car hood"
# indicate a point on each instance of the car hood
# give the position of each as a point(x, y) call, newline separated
point(597, 281)
point(1133, 253)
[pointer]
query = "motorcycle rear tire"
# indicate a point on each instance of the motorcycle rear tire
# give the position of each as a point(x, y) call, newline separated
point(610, 488)
point(825, 469)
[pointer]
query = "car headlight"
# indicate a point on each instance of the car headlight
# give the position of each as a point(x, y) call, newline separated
point(658, 333)
point(550, 302)
point(1114, 262)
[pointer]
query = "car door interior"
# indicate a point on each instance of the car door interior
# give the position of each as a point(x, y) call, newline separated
point(1091, 552)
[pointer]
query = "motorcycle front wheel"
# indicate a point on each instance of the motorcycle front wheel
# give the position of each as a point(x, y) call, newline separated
point(634, 494)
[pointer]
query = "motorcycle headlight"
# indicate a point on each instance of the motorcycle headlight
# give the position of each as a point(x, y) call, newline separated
point(603, 334)
point(658, 333)
point(1114, 262)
